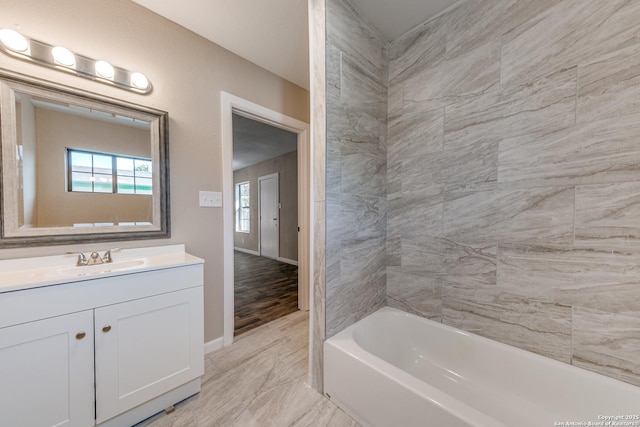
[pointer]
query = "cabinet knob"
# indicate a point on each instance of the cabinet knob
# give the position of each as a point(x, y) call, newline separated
point(80, 335)
point(106, 329)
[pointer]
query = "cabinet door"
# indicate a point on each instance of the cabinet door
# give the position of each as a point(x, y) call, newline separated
point(46, 372)
point(147, 347)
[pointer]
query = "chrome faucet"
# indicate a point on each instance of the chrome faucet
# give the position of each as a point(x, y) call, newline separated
point(107, 255)
point(82, 259)
point(94, 257)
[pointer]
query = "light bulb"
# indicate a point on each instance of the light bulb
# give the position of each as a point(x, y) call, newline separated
point(13, 40)
point(63, 56)
point(104, 69)
point(139, 81)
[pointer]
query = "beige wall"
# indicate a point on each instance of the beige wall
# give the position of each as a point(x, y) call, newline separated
point(57, 131)
point(188, 74)
point(287, 168)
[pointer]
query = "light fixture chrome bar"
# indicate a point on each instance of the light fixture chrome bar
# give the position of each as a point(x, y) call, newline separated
point(16, 45)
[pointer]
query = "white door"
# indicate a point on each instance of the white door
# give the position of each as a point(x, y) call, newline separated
point(46, 372)
point(145, 348)
point(268, 201)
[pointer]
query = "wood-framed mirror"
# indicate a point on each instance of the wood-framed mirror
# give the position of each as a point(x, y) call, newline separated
point(79, 167)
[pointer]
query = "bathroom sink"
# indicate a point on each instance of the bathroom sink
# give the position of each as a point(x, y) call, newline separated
point(88, 270)
point(27, 273)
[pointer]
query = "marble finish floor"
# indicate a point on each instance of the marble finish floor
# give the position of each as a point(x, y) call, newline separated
point(258, 381)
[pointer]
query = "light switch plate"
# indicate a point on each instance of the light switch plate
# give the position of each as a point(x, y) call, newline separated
point(210, 199)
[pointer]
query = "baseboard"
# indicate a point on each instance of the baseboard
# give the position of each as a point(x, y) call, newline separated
point(247, 251)
point(213, 345)
point(288, 261)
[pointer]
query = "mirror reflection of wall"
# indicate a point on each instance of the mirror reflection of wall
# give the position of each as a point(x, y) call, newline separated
point(47, 131)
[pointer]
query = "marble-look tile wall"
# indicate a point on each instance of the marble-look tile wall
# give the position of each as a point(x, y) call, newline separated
point(356, 203)
point(317, 36)
point(513, 176)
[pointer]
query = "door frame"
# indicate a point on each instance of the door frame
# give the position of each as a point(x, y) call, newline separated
point(231, 104)
point(260, 179)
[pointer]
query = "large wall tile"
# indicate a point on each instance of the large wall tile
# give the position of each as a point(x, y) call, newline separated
point(395, 100)
point(362, 88)
point(349, 33)
point(362, 286)
point(333, 242)
point(610, 87)
point(394, 251)
point(536, 215)
point(567, 34)
point(545, 103)
point(426, 85)
point(418, 49)
point(456, 78)
point(363, 168)
point(593, 277)
point(414, 294)
point(418, 130)
point(451, 261)
point(357, 149)
point(475, 22)
point(537, 326)
point(472, 166)
point(591, 153)
point(353, 125)
point(333, 70)
point(362, 217)
point(394, 179)
point(607, 343)
point(415, 215)
point(608, 213)
point(422, 173)
point(474, 71)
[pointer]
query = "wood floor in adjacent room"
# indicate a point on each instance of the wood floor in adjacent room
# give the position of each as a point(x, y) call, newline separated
point(258, 381)
point(264, 290)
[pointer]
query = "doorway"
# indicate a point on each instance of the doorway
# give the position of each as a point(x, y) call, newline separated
point(235, 105)
point(265, 177)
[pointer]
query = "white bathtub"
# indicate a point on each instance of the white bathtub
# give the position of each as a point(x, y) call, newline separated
point(396, 369)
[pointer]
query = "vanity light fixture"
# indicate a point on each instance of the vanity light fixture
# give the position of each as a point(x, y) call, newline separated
point(13, 40)
point(139, 80)
point(61, 58)
point(104, 70)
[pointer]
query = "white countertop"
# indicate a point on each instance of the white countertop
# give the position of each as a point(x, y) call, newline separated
point(27, 273)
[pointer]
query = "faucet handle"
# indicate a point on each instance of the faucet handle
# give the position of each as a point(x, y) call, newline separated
point(82, 259)
point(107, 255)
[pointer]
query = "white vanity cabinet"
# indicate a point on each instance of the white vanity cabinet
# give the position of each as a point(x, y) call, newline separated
point(145, 348)
point(46, 372)
point(107, 351)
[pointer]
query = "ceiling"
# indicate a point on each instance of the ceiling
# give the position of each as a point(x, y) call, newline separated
point(254, 142)
point(273, 34)
point(393, 18)
point(270, 33)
